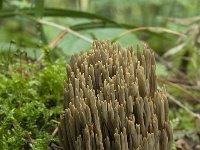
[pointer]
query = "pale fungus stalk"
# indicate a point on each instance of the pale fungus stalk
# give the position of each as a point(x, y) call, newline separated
point(111, 102)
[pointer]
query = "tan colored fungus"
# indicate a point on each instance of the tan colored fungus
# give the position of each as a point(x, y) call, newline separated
point(111, 102)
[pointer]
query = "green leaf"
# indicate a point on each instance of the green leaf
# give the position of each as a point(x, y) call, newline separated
point(51, 12)
point(1, 4)
point(39, 8)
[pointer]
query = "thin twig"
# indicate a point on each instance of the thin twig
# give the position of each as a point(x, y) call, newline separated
point(187, 85)
point(180, 88)
point(53, 44)
point(57, 39)
point(29, 139)
point(195, 88)
point(56, 147)
point(183, 21)
point(55, 121)
point(195, 115)
point(56, 129)
point(65, 29)
point(54, 132)
point(180, 81)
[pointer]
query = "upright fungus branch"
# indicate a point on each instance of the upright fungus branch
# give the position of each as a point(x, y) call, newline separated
point(111, 102)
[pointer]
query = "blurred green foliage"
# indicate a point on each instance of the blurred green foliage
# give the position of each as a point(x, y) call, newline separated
point(131, 12)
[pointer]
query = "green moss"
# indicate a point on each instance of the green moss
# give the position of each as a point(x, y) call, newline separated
point(30, 96)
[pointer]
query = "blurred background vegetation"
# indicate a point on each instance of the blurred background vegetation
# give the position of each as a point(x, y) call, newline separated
point(37, 38)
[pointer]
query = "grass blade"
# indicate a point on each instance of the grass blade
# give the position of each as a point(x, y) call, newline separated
point(51, 12)
point(147, 28)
